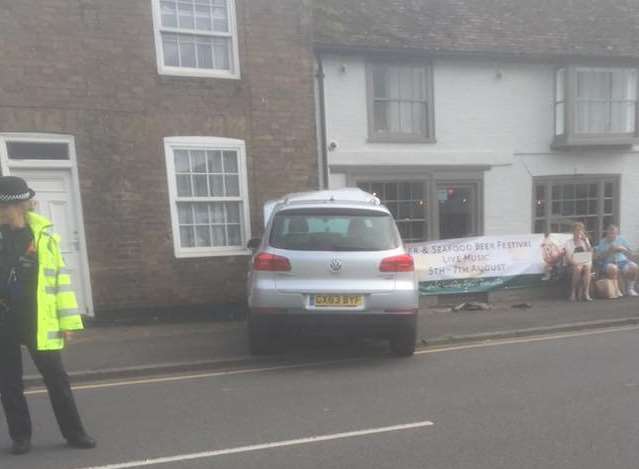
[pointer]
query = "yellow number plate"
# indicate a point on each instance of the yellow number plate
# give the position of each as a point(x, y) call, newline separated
point(341, 301)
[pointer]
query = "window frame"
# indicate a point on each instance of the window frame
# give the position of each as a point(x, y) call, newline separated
point(396, 137)
point(599, 179)
point(208, 143)
point(170, 70)
point(432, 181)
point(570, 137)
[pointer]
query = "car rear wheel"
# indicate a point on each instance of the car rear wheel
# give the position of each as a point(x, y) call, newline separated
point(404, 341)
point(260, 342)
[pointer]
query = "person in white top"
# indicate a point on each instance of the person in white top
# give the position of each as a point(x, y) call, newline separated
point(579, 258)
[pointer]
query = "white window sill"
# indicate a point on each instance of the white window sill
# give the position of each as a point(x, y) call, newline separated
point(220, 253)
point(197, 73)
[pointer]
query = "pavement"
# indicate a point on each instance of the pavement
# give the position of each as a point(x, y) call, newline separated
point(118, 351)
point(564, 401)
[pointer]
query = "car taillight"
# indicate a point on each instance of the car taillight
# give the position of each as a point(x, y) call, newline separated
point(266, 262)
point(403, 263)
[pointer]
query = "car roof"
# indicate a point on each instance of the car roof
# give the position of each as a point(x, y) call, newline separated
point(339, 198)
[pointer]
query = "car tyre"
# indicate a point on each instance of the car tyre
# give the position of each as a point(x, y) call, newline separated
point(404, 341)
point(260, 342)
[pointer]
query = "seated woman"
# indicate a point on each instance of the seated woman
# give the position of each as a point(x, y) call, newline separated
point(613, 255)
point(580, 263)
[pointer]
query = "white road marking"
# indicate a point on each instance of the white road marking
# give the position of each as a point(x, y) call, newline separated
point(525, 340)
point(166, 379)
point(241, 371)
point(264, 446)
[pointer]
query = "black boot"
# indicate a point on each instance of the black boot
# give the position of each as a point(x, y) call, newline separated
point(21, 447)
point(83, 441)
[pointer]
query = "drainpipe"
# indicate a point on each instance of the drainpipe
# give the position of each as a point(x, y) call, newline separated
point(321, 124)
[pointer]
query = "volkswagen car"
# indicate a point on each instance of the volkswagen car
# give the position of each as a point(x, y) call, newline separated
point(331, 261)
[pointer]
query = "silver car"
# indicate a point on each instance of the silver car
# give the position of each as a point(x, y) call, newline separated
point(332, 260)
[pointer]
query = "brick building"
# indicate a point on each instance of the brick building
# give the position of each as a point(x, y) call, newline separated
point(153, 131)
point(473, 117)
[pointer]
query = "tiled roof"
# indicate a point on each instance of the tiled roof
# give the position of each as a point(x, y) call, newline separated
point(597, 28)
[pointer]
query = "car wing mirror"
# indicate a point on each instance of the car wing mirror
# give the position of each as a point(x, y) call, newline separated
point(254, 243)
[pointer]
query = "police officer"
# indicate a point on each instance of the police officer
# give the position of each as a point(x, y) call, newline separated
point(38, 309)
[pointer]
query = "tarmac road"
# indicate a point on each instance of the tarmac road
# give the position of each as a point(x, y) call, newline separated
point(568, 401)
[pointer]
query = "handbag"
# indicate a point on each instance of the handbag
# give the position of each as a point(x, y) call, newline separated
point(582, 257)
point(606, 289)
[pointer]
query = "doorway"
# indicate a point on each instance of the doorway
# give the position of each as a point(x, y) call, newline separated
point(48, 165)
point(458, 210)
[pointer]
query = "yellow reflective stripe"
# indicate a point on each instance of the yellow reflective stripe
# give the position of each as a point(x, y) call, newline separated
point(58, 289)
point(64, 313)
point(55, 273)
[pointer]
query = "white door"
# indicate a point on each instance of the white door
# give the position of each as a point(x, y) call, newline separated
point(54, 200)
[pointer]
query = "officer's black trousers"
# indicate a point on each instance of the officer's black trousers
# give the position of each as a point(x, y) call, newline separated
point(49, 363)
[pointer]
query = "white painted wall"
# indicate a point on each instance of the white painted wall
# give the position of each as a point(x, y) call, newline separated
point(505, 122)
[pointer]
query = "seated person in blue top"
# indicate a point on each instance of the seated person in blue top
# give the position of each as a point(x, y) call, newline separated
point(613, 254)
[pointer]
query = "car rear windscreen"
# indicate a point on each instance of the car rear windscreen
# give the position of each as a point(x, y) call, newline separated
point(334, 230)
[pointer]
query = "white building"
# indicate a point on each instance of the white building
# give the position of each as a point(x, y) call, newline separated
point(494, 135)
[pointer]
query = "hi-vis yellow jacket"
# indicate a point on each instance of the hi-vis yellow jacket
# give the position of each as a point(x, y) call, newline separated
point(57, 306)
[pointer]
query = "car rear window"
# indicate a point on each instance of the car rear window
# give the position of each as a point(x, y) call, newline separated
point(334, 230)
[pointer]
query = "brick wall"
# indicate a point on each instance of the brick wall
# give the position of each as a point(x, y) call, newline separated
point(88, 68)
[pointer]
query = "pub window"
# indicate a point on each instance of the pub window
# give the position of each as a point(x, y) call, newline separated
point(560, 202)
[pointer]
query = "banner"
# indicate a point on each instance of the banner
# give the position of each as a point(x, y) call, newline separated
point(470, 265)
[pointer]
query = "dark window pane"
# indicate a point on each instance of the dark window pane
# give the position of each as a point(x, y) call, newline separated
point(556, 192)
point(216, 186)
point(230, 162)
point(198, 161)
point(185, 214)
point(417, 232)
point(377, 188)
point(390, 191)
point(540, 226)
point(540, 206)
point(214, 159)
point(594, 190)
point(568, 207)
point(582, 191)
point(202, 236)
point(184, 186)
point(556, 208)
point(417, 190)
point(182, 161)
point(201, 214)
point(569, 191)
point(393, 207)
point(200, 188)
point(609, 188)
point(170, 47)
point(187, 237)
point(608, 206)
point(417, 209)
point(607, 221)
point(380, 116)
point(404, 191)
point(593, 206)
point(37, 151)
point(582, 207)
point(404, 210)
point(404, 230)
point(380, 86)
point(591, 224)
